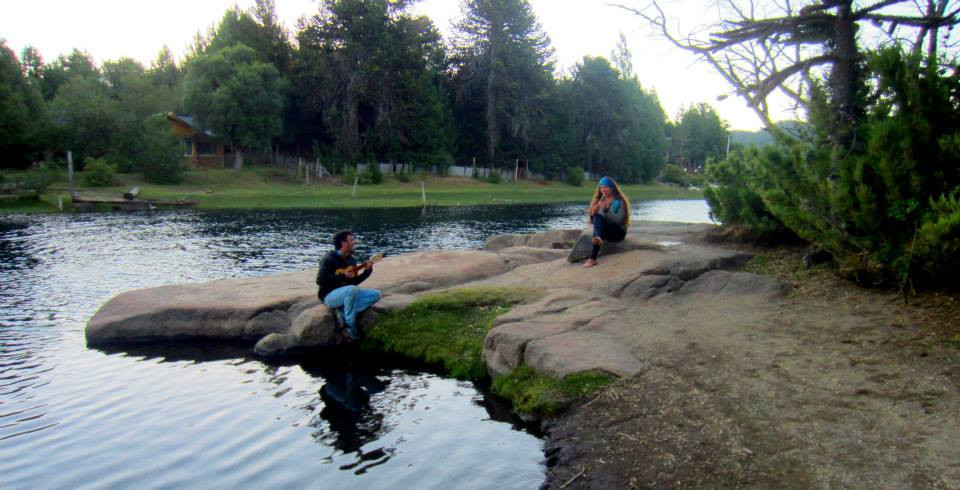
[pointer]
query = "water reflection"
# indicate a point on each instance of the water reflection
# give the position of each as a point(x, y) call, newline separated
point(349, 422)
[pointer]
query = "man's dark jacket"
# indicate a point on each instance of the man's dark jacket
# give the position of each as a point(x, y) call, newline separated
point(328, 279)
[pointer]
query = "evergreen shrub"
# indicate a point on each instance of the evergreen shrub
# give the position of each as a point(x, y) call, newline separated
point(886, 205)
point(98, 173)
point(161, 160)
point(372, 174)
point(731, 199)
point(674, 174)
point(574, 176)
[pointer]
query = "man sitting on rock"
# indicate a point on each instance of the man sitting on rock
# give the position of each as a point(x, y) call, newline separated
point(338, 278)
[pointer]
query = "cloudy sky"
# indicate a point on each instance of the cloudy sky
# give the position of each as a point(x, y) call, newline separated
point(110, 29)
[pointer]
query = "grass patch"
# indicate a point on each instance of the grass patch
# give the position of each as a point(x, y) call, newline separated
point(268, 187)
point(542, 396)
point(954, 341)
point(447, 328)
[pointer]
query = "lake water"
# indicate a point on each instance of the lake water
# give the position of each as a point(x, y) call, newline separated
point(213, 416)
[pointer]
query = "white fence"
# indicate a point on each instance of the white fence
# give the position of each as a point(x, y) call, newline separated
point(317, 169)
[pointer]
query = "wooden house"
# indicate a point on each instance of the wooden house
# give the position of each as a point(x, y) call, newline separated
point(202, 149)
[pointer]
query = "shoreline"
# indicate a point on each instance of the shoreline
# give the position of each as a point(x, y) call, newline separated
point(725, 379)
point(258, 189)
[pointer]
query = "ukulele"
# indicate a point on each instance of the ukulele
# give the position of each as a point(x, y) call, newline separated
point(363, 265)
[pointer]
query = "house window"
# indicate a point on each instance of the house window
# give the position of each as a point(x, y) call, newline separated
point(187, 148)
point(206, 149)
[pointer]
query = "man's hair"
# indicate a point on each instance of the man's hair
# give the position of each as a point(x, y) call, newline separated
point(340, 237)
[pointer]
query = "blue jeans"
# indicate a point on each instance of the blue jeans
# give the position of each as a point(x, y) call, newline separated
point(353, 300)
point(609, 232)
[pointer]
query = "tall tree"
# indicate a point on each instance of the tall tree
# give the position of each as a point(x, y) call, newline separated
point(65, 68)
point(621, 127)
point(700, 134)
point(257, 28)
point(164, 70)
point(370, 72)
point(503, 73)
point(20, 112)
point(84, 118)
point(236, 96)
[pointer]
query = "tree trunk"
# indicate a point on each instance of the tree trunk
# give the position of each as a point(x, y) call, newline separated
point(843, 76)
point(492, 105)
point(237, 158)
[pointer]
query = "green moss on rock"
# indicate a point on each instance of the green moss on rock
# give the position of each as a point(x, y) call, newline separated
point(544, 396)
point(447, 328)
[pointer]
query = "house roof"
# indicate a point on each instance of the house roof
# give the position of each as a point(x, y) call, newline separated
point(191, 122)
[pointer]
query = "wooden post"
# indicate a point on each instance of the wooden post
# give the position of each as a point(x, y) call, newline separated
point(423, 192)
point(516, 170)
point(70, 169)
point(355, 180)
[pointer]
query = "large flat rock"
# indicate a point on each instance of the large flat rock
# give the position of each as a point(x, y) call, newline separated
point(588, 320)
point(283, 307)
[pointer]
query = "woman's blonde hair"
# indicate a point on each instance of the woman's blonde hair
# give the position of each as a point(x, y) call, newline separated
point(597, 195)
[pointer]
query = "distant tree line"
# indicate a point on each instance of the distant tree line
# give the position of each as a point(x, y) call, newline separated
point(359, 81)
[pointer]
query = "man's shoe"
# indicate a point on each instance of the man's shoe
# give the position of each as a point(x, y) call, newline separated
point(351, 333)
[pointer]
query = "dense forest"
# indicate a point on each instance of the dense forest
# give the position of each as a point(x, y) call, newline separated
point(359, 81)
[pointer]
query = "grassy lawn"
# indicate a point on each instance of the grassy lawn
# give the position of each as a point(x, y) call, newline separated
point(272, 188)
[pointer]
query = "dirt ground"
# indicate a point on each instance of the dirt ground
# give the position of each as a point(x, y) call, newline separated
point(835, 386)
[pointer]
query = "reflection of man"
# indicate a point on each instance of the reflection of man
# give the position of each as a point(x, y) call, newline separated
point(338, 278)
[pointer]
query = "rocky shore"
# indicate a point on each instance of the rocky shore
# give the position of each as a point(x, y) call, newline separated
point(726, 378)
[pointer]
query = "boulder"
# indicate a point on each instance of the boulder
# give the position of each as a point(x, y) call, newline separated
point(552, 239)
point(282, 310)
point(434, 269)
point(229, 309)
point(720, 283)
point(580, 351)
point(562, 311)
point(525, 255)
point(690, 261)
point(584, 245)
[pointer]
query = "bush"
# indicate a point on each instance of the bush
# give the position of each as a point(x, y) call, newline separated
point(162, 157)
point(574, 176)
point(731, 199)
point(372, 174)
point(349, 175)
point(403, 177)
point(32, 180)
point(98, 173)
point(885, 206)
point(674, 174)
point(494, 177)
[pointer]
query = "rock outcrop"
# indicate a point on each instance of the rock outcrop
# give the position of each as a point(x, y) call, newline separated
point(281, 311)
point(586, 321)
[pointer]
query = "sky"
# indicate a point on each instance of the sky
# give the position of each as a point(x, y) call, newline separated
point(111, 29)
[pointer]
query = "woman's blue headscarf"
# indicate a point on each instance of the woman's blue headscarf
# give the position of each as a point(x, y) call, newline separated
point(606, 182)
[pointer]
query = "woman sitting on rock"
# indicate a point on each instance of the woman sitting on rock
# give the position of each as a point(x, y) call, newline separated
point(610, 215)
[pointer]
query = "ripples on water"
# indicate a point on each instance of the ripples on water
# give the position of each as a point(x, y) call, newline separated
point(199, 415)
